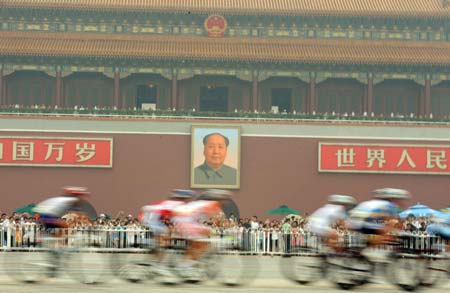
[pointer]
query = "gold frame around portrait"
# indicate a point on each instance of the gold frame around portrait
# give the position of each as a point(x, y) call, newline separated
point(197, 134)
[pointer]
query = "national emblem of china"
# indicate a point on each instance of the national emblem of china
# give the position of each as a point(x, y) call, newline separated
point(215, 26)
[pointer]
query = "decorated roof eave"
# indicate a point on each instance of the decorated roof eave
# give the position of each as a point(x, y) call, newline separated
point(420, 8)
point(166, 47)
point(243, 12)
point(124, 61)
point(114, 15)
point(401, 8)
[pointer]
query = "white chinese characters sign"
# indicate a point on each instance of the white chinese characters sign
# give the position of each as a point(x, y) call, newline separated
point(384, 158)
point(56, 151)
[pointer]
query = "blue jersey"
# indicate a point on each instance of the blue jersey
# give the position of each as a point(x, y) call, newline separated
point(372, 214)
point(374, 210)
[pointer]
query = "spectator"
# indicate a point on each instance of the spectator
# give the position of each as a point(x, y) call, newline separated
point(5, 227)
point(286, 229)
point(274, 236)
point(254, 224)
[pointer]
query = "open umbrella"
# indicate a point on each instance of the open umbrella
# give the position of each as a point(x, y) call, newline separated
point(282, 210)
point(445, 210)
point(26, 209)
point(418, 210)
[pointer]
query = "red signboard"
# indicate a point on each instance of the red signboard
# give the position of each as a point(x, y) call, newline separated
point(384, 158)
point(56, 151)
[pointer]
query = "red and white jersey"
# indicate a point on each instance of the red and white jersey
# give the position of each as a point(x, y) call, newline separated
point(198, 210)
point(189, 218)
point(152, 213)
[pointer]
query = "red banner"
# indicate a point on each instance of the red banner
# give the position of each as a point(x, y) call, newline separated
point(384, 158)
point(56, 152)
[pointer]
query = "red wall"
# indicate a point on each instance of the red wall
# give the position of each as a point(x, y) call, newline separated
point(146, 167)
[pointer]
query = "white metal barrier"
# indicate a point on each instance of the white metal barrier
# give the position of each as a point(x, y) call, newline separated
point(247, 241)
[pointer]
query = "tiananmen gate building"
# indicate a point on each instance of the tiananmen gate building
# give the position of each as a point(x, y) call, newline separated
point(363, 58)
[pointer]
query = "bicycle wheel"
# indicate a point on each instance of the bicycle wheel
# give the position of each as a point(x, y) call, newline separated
point(303, 267)
point(86, 265)
point(405, 271)
point(349, 271)
point(436, 269)
point(31, 265)
point(210, 264)
point(234, 269)
point(134, 266)
point(175, 260)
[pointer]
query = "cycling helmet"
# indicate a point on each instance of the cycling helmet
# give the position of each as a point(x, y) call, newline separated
point(75, 191)
point(182, 193)
point(342, 199)
point(217, 193)
point(391, 193)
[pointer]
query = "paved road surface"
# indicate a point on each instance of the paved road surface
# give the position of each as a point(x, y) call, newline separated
point(269, 279)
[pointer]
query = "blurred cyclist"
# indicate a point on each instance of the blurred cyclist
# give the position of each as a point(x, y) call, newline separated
point(158, 217)
point(189, 223)
point(51, 210)
point(323, 221)
point(378, 218)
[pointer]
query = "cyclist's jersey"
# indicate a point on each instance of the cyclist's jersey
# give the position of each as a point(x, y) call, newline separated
point(321, 220)
point(371, 215)
point(152, 215)
point(189, 218)
point(56, 206)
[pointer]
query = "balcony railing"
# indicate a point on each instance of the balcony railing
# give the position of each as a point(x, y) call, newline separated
point(134, 113)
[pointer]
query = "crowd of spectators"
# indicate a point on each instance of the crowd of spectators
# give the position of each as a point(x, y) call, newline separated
point(293, 224)
point(22, 228)
point(289, 224)
point(415, 225)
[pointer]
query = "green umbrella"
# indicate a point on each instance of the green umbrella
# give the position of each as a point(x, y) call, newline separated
point(282, 210)
point(26, 209)
point(445, 210)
